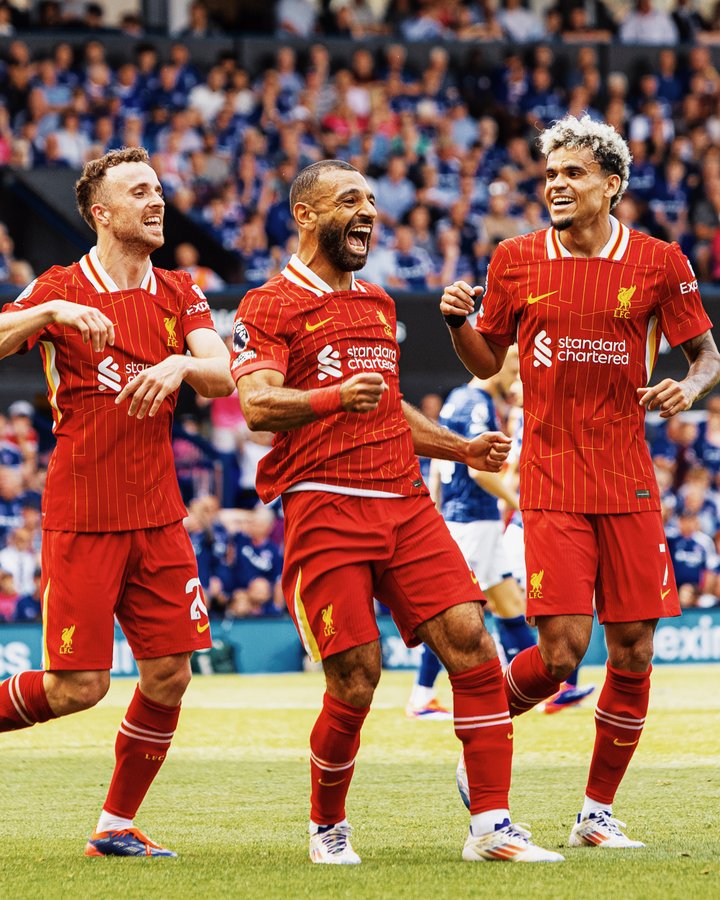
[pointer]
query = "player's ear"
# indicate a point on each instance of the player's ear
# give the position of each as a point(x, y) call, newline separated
point(100, 213)
point(612, 186)
point(305, 216)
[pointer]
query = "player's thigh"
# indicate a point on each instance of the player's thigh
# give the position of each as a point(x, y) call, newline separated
point(162, 610)
point(331, 541)
point(481, 544)
point(636, 581)
point(427, 573)
point(82, 580)
point(561, 558)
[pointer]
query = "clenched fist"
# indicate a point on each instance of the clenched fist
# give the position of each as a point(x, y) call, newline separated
point(458, 301)
point(362, 393)
point(487, 452)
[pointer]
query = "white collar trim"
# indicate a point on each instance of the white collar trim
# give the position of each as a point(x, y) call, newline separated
point(614, 249)
point(95, 273)
point(302, 275)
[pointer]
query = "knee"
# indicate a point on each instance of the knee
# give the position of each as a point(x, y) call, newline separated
point(561, 658)
point(166, 680)
point(634, 657)
point(356, 687)
point(76, 691)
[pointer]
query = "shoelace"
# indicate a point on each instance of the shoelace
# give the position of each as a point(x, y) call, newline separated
point(138, 835)
point(335, 840)
point(607, 821)
point(517, 829)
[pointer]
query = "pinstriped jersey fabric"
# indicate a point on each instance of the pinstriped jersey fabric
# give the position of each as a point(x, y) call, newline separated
point(111, 471)
point(318, 338)
point(588, 334)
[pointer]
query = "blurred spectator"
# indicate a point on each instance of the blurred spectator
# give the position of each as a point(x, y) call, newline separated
point(707, 445)
point(258, 262)
point(648, 25)
point(258, 565)
point(692, 552)
point(10, 501)
point(20, 559)
point(412, 266)
point(394, 192)
point(29, 606)
point(519, 24)
point(295, 17)
point(8, 597)
point(688, 21)
point(187, 258)
point(199, 23)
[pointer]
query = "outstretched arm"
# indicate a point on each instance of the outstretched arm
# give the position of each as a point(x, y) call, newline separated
point(479, 355)
point(17, 327)
point(672, 397)
point(269, 406)
point(486, 452)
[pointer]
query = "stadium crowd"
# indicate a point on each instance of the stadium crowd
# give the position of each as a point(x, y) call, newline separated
point(449, 149)
point(449, 153)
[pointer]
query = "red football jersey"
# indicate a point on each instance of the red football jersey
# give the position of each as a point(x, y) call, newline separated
point(111, 471)
point(298, 326)
point(588, 334)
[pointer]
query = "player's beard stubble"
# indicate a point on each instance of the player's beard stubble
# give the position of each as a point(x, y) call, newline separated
point(133, 236)
point(331, 238)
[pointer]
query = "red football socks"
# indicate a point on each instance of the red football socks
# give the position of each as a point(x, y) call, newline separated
point(528, 682)
point(482, 723)
point(334, 743)
point(619, 719)
point(23, 701)
point(142, 743)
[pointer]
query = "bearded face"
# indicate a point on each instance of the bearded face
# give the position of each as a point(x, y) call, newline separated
point(345, 246)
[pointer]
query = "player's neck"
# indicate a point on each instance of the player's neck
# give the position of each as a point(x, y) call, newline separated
point(587, 240)
point(338, 279)
point(126, 269)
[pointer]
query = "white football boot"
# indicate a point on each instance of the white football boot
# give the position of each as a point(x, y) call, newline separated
point(330, 844)
point(599, 829)
point(509, 844)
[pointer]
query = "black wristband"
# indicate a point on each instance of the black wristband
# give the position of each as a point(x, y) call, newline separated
point(454, 321)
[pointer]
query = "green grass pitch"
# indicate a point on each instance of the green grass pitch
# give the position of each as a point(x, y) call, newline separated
point(232, 800)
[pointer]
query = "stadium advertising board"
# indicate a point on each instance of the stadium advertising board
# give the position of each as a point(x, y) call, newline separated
point(272, 645)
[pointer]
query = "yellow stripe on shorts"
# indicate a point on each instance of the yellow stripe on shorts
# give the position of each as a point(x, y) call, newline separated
point(304, 629)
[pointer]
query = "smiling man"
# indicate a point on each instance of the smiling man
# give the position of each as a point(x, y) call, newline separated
point(588, 301)
point(113, 332)
point(316, 361)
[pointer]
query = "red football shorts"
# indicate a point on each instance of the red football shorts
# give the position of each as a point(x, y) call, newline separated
point(147, 578)
point(621, 559)
point(341, 551)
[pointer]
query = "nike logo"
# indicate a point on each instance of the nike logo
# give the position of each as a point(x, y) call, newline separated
point(624, 743)
point(473, 577)
point(531, 299)
point(510, 736)
point(330, 783)
point(202, 628)
point(311, 328)
point(663, 594)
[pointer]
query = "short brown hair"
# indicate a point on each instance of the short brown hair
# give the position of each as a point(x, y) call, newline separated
point(93, 174)
point(306, 180)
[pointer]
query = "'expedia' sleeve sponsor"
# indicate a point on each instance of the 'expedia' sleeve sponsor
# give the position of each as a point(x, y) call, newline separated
point(680, 312)
point(259, 339)
point(497, 319)
point(49, 286)
point(195, 308)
